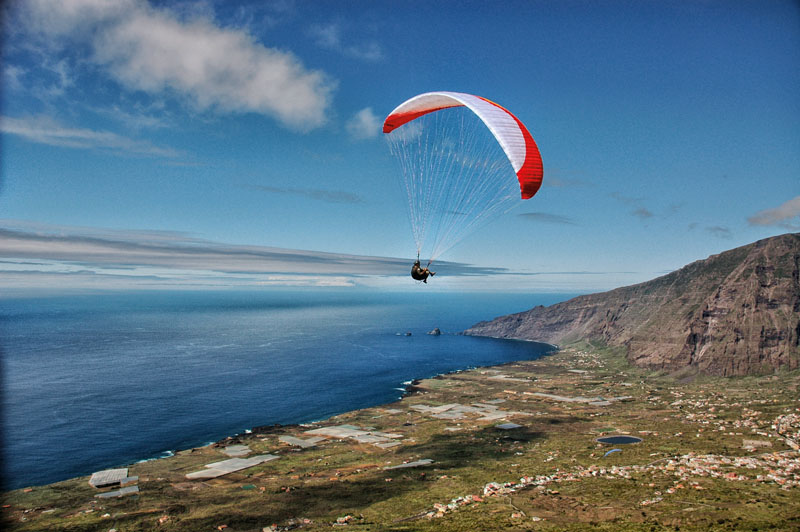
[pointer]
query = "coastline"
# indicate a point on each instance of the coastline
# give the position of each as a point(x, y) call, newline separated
point(407, 390)
point(350, 368)
point(555, 347)
point(457, 447)
point(204, 442)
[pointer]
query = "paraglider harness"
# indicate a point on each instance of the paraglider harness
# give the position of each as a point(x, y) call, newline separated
point(419, 273)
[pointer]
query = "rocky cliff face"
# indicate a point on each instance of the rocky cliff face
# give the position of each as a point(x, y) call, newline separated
point(735, 313)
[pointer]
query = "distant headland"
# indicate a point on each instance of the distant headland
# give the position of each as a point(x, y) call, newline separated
point(735, 313)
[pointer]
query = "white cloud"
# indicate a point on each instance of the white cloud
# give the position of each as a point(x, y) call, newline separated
point(780, 215)
point(329, 36)
point(155, 51)
point(364, 124)
point(45, 130)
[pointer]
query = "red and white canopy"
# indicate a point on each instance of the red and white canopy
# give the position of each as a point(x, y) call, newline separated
point(511, 134)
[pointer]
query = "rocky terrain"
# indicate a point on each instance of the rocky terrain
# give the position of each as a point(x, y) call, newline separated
point(736, 313)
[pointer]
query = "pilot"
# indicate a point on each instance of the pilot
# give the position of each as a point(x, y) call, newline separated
point(421, 274)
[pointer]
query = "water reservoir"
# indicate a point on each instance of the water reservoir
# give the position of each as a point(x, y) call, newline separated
point(619, 440)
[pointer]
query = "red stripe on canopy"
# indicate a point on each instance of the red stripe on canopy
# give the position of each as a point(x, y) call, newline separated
point(530, 175)
point(394, 121)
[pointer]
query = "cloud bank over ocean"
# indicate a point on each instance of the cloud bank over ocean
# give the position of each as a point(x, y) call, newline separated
point(51, 258)
point(37, 255)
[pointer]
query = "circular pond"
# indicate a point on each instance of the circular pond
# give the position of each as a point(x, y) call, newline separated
point(619, 440)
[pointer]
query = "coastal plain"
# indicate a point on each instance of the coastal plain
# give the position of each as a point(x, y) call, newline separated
point(512, 447)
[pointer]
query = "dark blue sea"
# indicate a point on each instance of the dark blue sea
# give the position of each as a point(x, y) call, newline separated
point(98, 381)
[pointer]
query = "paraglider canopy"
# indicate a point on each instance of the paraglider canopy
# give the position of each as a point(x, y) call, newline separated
point(464, 160)
point(513, 136)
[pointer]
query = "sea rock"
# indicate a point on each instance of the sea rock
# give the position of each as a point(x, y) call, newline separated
point(735, 313)
point(435, 332)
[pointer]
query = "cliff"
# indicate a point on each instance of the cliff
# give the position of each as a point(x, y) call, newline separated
point(735, 313)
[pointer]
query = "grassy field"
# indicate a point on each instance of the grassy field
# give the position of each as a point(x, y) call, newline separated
point(711, 457)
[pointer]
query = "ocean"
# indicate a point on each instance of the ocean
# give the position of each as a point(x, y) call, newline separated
point(98, 381)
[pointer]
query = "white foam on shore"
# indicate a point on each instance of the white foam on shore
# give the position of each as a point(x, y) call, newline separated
point(164, 454)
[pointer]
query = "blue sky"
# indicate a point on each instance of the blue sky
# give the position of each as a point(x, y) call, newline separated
point(217, 144)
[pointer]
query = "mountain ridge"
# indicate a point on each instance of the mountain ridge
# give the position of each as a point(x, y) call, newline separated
point(733, 313)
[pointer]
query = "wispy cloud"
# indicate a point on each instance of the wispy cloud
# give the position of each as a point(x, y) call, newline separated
point(364, 124)
point(179, 252)
point(583, 272)
point(46, 130)
point(329, 36)
point(153, 49)
point(137, 119)
point(639, 211)
point(43, 258)
point(547, 218)
point(719, 231)
point(330, 196)
point(12, 77)
point(36, 253)
point(628, 200)
point(257, 15)
point(781, 216)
